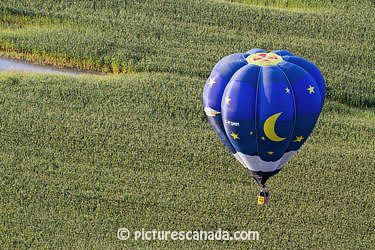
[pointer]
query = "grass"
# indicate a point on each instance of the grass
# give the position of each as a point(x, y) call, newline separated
point(306, 5)
point(174, 37)
point(83, 156)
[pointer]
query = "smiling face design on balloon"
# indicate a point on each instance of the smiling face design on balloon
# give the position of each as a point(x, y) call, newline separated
point(263, 106)
point(264, 59)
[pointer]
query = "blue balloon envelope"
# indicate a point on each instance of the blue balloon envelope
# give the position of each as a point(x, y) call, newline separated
point(263, 105)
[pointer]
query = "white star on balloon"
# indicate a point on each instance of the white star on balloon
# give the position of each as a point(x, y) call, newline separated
point(211, 82)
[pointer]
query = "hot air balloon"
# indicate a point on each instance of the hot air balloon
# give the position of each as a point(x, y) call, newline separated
point(263, 105)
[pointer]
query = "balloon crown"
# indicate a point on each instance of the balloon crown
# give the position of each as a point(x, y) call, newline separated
point(264, 59)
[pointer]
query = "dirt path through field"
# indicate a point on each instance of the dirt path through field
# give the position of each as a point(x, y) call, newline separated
point(7, 64)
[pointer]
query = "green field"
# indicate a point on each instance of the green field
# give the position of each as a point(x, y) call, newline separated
point(83, 156)
point(307, 5)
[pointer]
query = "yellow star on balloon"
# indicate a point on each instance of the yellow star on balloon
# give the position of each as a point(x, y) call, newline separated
point(235, 136)
point(311, 89)
point(227, 100)
point(270, 153)
point(298, 139)
point(211, 82)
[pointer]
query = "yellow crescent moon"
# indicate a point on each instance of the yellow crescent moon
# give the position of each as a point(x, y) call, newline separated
point(269, 128)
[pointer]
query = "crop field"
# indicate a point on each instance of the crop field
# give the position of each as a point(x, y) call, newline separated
point(82, 156)
point(307, 5)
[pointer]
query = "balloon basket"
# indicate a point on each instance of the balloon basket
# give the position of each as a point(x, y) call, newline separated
point(264, 196)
